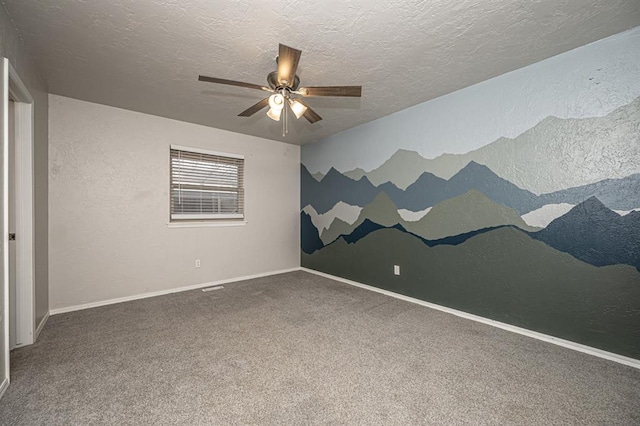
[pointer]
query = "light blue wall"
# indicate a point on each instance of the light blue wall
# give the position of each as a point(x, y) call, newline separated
point(586, 82)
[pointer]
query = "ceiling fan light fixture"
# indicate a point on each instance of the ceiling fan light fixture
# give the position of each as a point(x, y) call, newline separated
point(297, 107)
point(274, 113)
point(276, 101)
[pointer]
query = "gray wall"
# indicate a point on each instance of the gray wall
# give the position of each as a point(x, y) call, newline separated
point(12, 48)
point(109, 193)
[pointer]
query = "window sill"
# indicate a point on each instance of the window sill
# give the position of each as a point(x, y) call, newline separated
point(217, 224)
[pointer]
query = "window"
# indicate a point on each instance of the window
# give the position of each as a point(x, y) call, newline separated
point(206, 185)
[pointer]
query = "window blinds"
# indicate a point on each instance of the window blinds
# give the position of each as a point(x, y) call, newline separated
point(206, 185)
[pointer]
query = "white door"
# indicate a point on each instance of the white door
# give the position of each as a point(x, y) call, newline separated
point(17, 303)
point(12, 229)
point(4, 294)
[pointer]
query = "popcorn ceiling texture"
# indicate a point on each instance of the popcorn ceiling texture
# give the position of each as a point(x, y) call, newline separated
point(146, 56)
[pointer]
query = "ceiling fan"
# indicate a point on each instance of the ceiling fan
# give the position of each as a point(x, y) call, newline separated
point(284, 86)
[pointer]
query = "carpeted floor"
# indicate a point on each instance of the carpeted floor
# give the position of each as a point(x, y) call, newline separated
point(301, 349)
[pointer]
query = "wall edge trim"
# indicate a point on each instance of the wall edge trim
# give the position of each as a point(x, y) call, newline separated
point(167, 291)
point(43, 321)
point(621, 359)
point(4, 386)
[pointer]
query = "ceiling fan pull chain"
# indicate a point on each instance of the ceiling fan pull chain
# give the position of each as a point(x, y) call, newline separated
point(284, 121)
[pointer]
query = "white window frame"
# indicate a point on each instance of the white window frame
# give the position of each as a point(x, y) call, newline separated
point(179, 220)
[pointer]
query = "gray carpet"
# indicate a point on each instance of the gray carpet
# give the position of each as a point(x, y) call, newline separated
point(300, 349)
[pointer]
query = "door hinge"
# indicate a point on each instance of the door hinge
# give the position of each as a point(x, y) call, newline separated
point(12, 236)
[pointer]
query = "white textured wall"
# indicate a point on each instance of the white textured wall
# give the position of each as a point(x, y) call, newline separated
point(12, 48)
point(109, 202)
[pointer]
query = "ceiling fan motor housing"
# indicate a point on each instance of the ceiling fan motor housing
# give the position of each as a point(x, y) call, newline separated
point(272, 80)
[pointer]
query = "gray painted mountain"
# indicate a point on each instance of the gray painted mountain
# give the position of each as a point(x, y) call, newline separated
point(619, 194)
point(555, 154)
point(596, 235)
point(427, 191)
point(332, 188)
point(501, 274)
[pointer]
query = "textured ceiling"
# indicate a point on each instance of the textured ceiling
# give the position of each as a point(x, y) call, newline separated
point(146, 55)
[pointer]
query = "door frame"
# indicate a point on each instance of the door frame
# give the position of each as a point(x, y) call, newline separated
point(12, 86)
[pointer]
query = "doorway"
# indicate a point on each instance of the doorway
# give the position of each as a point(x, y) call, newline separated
point(17, 307)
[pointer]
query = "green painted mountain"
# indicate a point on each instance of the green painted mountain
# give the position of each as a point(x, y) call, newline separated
point(454, 216)
point(537, 159)
point(464, 213)
point(338, 227)
point(504, 275)
point(381, 210)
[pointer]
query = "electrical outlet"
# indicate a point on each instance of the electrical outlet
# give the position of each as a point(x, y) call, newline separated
point(396, 269)
point(197, 263)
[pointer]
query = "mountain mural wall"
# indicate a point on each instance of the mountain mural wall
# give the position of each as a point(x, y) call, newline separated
point(538, 159)
point(541, 230)
point(504, 275)
point(428, 190)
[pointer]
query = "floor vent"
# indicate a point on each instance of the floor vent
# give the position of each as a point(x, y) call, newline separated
point(218, 287)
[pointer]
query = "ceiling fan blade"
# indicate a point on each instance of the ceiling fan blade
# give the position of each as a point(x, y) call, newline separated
point(309, 114)
point(288, 59)
point(254, 108)
point(350, 91)
point(233, 83)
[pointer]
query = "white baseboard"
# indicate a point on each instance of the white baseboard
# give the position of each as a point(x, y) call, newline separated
point(534, 334)
point(43, 321)
point(164, 292)
point(4, 386)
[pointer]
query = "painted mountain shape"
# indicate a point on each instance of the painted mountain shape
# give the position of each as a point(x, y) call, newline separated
point(309, 238)
point(504, 275)
point(342, 211)
point(334, 187)
point(595, 234)
point(429, 190)
point(338, 227)
point(467, 212)
point(618, 194)
point(382, 210)
point(546, 214)
point(537, 159)
point(426, 192)
point(368, 226)
point(482, 178)
point(402, 169)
